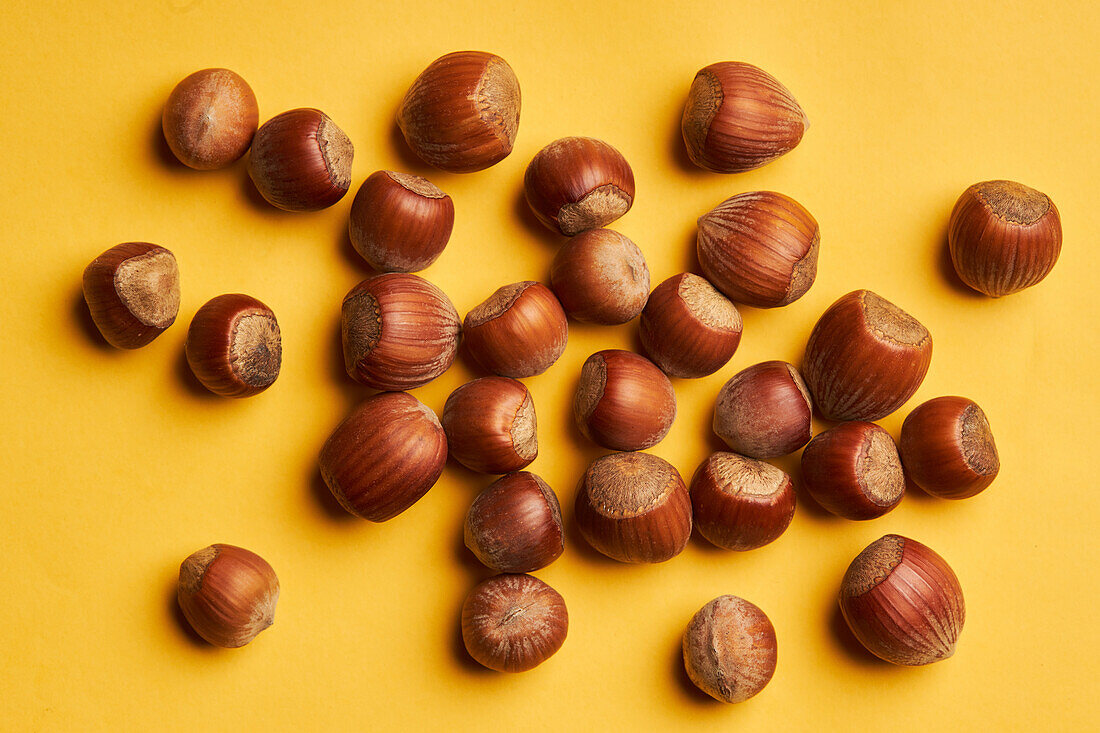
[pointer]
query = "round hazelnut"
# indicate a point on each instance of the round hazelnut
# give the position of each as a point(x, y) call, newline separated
point(514, 526)
point(947, 448)
point(519, 331)
point(764, 411)
point(234, 346)
point(623, 401)
point(739, 503)
point(688, 328)
point(133, 293)
point(853, 470)
point(210, 118)
point(400, 222)
point(227, 594)
point(301, 161)
point(600, 277)
point(491, 425)
point(513, 623)
point(578, 183)
point(730, 649)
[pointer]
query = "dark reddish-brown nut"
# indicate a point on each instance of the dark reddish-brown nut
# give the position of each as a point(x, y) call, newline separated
point(865, 358)
point(634, 507)
point(739, 503)
point(730, 649)
point(623, 401)
point(513, 623)
point(739, 117)
point(301, 161)
point(384, 456)
point(519, 331)
point(514, 526)
point(399, 331)
point(764, 411)
point(688, 328)
point(600, 277)
point(947, 448)
point(491, 426)
point(1004, 237)
point(400, 222)
point(227, 594)
point(578, 183)
point(210, 118)
point(234, 346)
point(462, 112)
point(759, 248)
point(903, 602)
point(133, 293)
point(853, 470)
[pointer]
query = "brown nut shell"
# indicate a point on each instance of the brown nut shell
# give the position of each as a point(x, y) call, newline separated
point(301, 161)
point(462, 113)
point(227, 594)
point(400, 222)
point(133, 293)
point(491, 425)
point(739, 503)
point(519, 331)
point(759, 248)
point(903, 602)
point(947, 448)
point(688, 328)
point(399, 331)
point(764, 411)
point(730, 649)
point(853, 471)
point(600, 277)
point(513, 623)
point(210, 118)
point(634, 507)
point(623, 401)
point(578, 183)
point(234, 346)
point(865, 357)
point(514, 525)
point(739, 117)
point(386, 455)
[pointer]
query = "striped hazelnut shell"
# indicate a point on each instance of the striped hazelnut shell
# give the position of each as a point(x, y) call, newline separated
point(514, 525)
point(227, 594)
point(578, 183)
point(623, 401)
point(853, 470)
point(764, 411)
point(133, 293)
point(301, 160)
point(491, 425)
point(739, 503)
point(234, 346)
point(688, 328)
point(947, 448)
point(519, 331)
point(400, 222)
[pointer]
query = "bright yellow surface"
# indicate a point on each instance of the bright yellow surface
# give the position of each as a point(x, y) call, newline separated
point(117, 466)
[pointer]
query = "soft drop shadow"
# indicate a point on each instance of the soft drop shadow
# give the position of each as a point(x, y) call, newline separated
point(410, 161)
point(79, 314)
point(352, 257)
point(190, 382)
point(677, 149)
point(522, 211)
point(163, 154)
point(186, 631)
point(458, 646)
point(323, 498)
point(465, 557)
point(353, 392)
point(689, 692)
point(251, 196)
point(849, 644)
point(919, 494)
point(947, 270)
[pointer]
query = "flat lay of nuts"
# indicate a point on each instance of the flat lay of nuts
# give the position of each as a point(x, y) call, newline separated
point(133, 293)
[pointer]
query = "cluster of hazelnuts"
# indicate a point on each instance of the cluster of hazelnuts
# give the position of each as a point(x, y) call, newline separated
point(865, 358)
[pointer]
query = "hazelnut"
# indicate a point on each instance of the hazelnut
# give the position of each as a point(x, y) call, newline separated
point(227, 594)
point(739, 117)
point(514, 526)
point(759, 248)
point(947, 448)
point(513, 623)
point(853, 470)
point(634, 507)
point(730, 649)
point(210, 119)
point(491, 426)
point(399, 332)
point(133, 293)
point(234, 346)
point(1004, 237)
point(301, 161)
point(578, 183)
point(688, 328)
point(865, 357)
point(519, 331)
point(739, 503)
point(462, 112)
point(600, 277)
point(384, 456)
point(623, 401)
point(400, 222)
point(764, 411)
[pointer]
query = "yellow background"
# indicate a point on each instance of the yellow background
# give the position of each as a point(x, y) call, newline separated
point(117, 465)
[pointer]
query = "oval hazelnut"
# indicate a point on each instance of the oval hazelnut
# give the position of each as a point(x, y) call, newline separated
point(739, 503)
point(688, 328)
point(400, 222)
point(514, 525)
point(578, 183)
point(301, 161)
point(210, 118)
point(133, 293)
point(600, 277)
point(623, 401)
point(519, 331)
point(764, 411)
point(491, 425)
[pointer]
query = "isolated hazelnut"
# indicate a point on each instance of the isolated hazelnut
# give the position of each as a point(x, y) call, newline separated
point(759, 248)
point(1004, 237)
point(730, 649)
point(865, 357)
point(600, 277)
point(513, 623)
point(947, 448)
point(764, 411)
point(234, 346)
point(634, 507)
point(301, 161)
point(400, 222)
point(384, 456)
point(688, 328)
point(739, 503)
point(623, 401)
point(519, 331)
point(210, 118)
point(514, 526)
point(903, 602)
point(227, 594)
point(133, 293)
point(578, 183)
point(399, 332)
point(491, 425)
point(462, 112)
point(739, 117)
point(853, 470)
